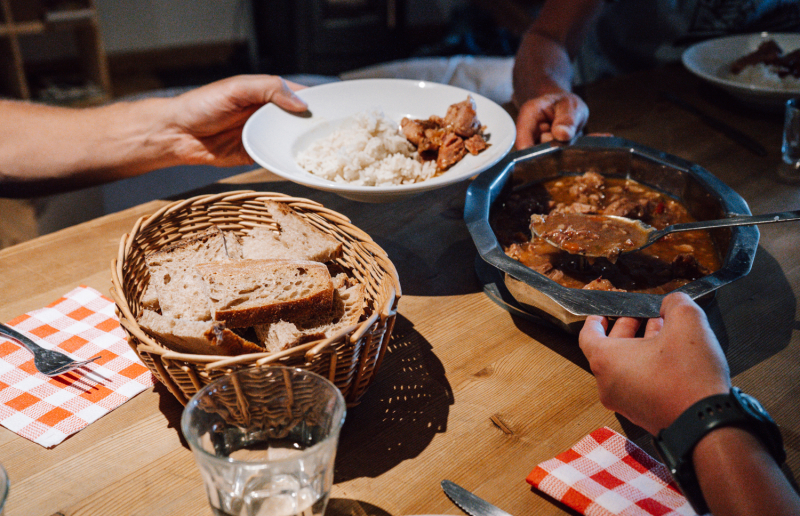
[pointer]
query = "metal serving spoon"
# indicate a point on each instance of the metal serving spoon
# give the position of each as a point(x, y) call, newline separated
point(609, 235)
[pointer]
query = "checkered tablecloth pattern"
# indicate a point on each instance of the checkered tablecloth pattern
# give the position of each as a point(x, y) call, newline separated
point(605, 474)
point(48, 410)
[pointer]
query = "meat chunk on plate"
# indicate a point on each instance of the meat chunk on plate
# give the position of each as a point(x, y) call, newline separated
point(446, 140)
point(462, 118)
point(475, 144)
point(413, 130)
point(451, 151)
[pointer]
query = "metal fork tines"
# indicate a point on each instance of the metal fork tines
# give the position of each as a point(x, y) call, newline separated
point(49, 362)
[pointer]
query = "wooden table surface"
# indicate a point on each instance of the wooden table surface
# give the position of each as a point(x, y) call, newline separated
point(466, 391)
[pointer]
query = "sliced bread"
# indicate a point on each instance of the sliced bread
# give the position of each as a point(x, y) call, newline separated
point(233, 245)
point(150, 297)
point(346, 310)
point(176, 282)
point(249, 292)
point(295, 239)
point(196, 337)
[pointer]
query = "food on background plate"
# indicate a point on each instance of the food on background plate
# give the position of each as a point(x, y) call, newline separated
point(369, 149)
point(225, 292)
point(768, 66)
point(669, 263)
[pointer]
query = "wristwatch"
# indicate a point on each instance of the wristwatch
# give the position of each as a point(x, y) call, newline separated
point(676, 442)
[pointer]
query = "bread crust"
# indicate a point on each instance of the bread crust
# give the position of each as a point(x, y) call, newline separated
point(266, 311)
point(296, 238)
point(347, 309)
point(195, 337)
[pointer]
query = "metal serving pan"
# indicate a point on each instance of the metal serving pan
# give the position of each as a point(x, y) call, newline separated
point(704, 195)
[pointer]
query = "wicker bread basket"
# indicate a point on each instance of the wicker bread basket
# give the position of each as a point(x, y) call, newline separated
point(349, 359)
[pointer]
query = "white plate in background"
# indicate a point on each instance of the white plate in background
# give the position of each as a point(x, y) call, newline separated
point(273, 137)
point(711, 60)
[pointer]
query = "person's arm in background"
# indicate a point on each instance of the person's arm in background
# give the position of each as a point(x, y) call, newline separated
point(45, 149)
point(654, 379)
point(543, 72)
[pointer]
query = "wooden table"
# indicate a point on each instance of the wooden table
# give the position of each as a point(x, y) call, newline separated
point(466, 391)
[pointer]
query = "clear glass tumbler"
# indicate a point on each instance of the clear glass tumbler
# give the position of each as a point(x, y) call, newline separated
point(790, 168)
point(265, 441)
point(4, 488)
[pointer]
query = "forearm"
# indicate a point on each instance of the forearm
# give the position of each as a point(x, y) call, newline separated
point(542, 66)
point(43, 148)
point(544, 59)
point(739, 477)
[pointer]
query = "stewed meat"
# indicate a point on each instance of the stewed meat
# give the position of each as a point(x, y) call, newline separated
point(669, 263)
point(447, 140)
point(462, 119)
point(475, 144)
point(451, 151)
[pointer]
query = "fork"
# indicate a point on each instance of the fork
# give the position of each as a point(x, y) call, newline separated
point(47, 361)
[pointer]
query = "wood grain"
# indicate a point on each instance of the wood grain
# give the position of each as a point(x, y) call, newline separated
point(466, 391)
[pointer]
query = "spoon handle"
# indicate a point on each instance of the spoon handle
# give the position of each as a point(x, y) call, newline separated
point(739, 220)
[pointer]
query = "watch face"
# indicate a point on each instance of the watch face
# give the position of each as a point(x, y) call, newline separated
point(751, 405)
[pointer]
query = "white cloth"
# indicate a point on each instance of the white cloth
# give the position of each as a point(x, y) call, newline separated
point(487, 76)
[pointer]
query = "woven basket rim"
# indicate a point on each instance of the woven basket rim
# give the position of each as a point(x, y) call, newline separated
point(129, 322)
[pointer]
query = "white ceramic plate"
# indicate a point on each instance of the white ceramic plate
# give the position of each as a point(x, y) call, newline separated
point(273, 137)
point(710, 60)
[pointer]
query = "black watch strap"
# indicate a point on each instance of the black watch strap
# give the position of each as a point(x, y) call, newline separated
point(676, 443)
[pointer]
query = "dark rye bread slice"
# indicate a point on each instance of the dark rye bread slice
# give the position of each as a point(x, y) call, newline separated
point(195, 337)
point(177, 284)
point(295, 239)
point(250, 292)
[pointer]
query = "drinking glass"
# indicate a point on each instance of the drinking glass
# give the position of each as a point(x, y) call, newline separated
point(265, 441)
point(790, 168)
point(4, 487)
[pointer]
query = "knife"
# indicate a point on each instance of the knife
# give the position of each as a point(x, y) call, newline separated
point(469, 503)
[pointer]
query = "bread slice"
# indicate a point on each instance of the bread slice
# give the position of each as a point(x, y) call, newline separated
point(295, 239)
point(347, 309)
point(177, 283)
point(196, 337)
point(150, 298)
point(233, 245)
point(249, 292)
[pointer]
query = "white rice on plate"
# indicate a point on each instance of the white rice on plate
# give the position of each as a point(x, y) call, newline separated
point(367, 150)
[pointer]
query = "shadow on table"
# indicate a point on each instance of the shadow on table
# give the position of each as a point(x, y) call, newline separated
point(172, 410)
point(346, 507)
point(424, 236)
point(397, 418)
point(754, 317)
point(406, 406)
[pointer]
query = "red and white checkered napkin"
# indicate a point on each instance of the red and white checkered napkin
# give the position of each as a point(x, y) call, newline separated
point(48, 410)
point(605, 474)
